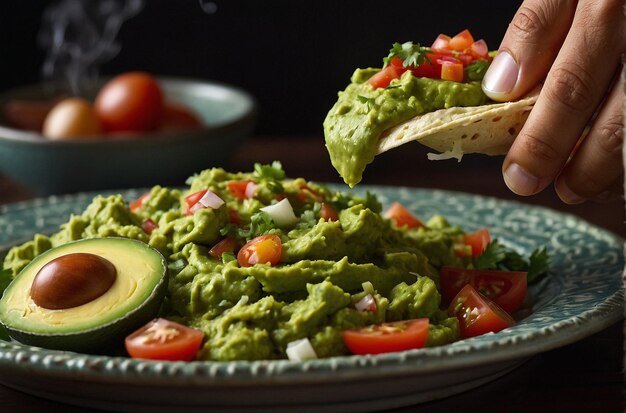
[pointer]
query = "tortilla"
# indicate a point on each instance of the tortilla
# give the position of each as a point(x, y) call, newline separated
point(488, 129)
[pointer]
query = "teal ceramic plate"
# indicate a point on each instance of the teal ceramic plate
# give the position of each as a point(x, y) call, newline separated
point(582, 295)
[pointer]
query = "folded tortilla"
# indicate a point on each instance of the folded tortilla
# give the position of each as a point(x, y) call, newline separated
point(487, 129)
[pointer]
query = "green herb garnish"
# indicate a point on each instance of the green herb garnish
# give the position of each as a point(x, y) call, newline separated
point(411, 54)
point(477, 69)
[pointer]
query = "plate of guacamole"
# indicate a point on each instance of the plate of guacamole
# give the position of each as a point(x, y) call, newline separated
point(281, 290)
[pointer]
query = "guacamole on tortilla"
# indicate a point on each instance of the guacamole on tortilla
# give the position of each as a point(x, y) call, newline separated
point(337, 250)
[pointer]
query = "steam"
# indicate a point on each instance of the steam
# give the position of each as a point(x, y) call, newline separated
point(208, 6)
point(79, 35)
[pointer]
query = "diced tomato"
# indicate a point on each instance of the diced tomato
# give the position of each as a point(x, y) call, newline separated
point(461, 41)
point(383, 78)
point(191, 200)
point(328, 213)
point(233, 216)
point(264, 249)
point(477, 314)
point(138, 203)
point(441, 43)
point(162, 339)
point(238, 188)
point(452, 71)
point(466, 59)
point(506, 288)
point(148, 226)
point(478, 240)
point(228, 244)
point(401, 217)
point(387, 337)
point(479, 49)
point(307, 193)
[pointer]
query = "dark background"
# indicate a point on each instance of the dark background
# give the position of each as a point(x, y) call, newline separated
point(293, 56)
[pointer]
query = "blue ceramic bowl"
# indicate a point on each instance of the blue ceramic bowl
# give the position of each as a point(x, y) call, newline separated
point(53, 167)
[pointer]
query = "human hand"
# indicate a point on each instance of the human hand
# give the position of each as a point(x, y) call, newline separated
point(576, 47)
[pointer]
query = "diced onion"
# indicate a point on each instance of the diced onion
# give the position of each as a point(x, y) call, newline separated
point(251, 190)
point(281, 213)
point(367, 303)
point(299, 350)
point(211, 200)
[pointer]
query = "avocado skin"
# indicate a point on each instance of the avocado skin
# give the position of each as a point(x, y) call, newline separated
point(105, 338)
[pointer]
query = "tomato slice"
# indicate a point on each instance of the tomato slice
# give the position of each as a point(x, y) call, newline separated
point(328, 213)
point(385, 76)
point(238, 188)
point(478, 240)
point(162, 339)
point(387, 337)
point(452, 71)
point(401, 217)
point(461, 41)
point(264, 249)
point(228, 244)
point(138, 203)
point(506, 288)
point(477, 314)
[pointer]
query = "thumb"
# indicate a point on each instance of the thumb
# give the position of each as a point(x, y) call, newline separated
point(529, 48)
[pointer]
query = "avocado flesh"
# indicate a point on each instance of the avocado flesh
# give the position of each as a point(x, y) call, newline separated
point(134, 298)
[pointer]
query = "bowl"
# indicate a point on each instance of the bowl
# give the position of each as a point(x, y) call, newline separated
point(48, 167)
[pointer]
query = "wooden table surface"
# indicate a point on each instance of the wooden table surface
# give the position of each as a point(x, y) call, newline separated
point(585, 376)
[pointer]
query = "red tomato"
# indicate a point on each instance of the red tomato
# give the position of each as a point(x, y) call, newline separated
point(385, 76)
point(477, 314)
point(506, 288)
point(162, 339)
point(264, 249)
point(233, 217)
point(466, 59)
point(148, 226)
point(130, 102)
point(27, 114)
point(328, 213)
point(191, 200)
point(238, 188)
point(176, 116)
point(138, 203)
point(441, 43)
point(478, 240)
point(387, 337)
point(401, 217)
point(461, 41)
point(306, 193)
point(479, 49)
point(452, 71)
point(228, 244)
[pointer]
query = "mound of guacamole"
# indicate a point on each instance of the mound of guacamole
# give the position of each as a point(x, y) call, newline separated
point(326, 266)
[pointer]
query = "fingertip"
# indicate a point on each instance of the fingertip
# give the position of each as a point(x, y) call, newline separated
point(501, 77)
point(520, 181)
point(566, 194)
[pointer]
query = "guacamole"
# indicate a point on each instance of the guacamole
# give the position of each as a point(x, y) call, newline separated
point(361, 114)
point(329, 261)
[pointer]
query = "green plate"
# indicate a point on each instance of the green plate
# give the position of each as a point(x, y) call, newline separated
point(582, 295)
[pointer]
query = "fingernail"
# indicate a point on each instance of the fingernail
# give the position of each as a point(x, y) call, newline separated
point(501, 76)
point(566, 194)
point(520, 181)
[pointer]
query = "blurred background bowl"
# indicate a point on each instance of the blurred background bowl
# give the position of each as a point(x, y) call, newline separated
point(166, 158)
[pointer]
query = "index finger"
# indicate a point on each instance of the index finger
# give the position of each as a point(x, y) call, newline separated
point(573, 90)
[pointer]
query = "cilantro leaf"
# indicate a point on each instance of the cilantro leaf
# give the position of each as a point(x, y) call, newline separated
point(273, 172)
point(260, 223)
point(411, 54)
point(499, 257)
point(477, 69)
point(493, 254)
point(539, 263)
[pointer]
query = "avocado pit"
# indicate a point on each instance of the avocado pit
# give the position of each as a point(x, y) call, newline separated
point(72, 280)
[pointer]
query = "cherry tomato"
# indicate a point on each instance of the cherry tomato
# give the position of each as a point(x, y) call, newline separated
point(387, 337)
point(264, 249)
point(478, 240)
point(385, 76)
point(401, 217)
point(228, 244)
point(138, 203)
point(28, 114)
point(452, 71)
point(238, 188)
point(461, 41)
point(477, 314)
point(176, 116)
point(71, 118)
point(328, 213)
point(506, 288)
point(162, 339)
point(131, 102)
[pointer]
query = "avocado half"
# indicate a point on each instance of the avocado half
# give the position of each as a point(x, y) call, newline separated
point(133, 299)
